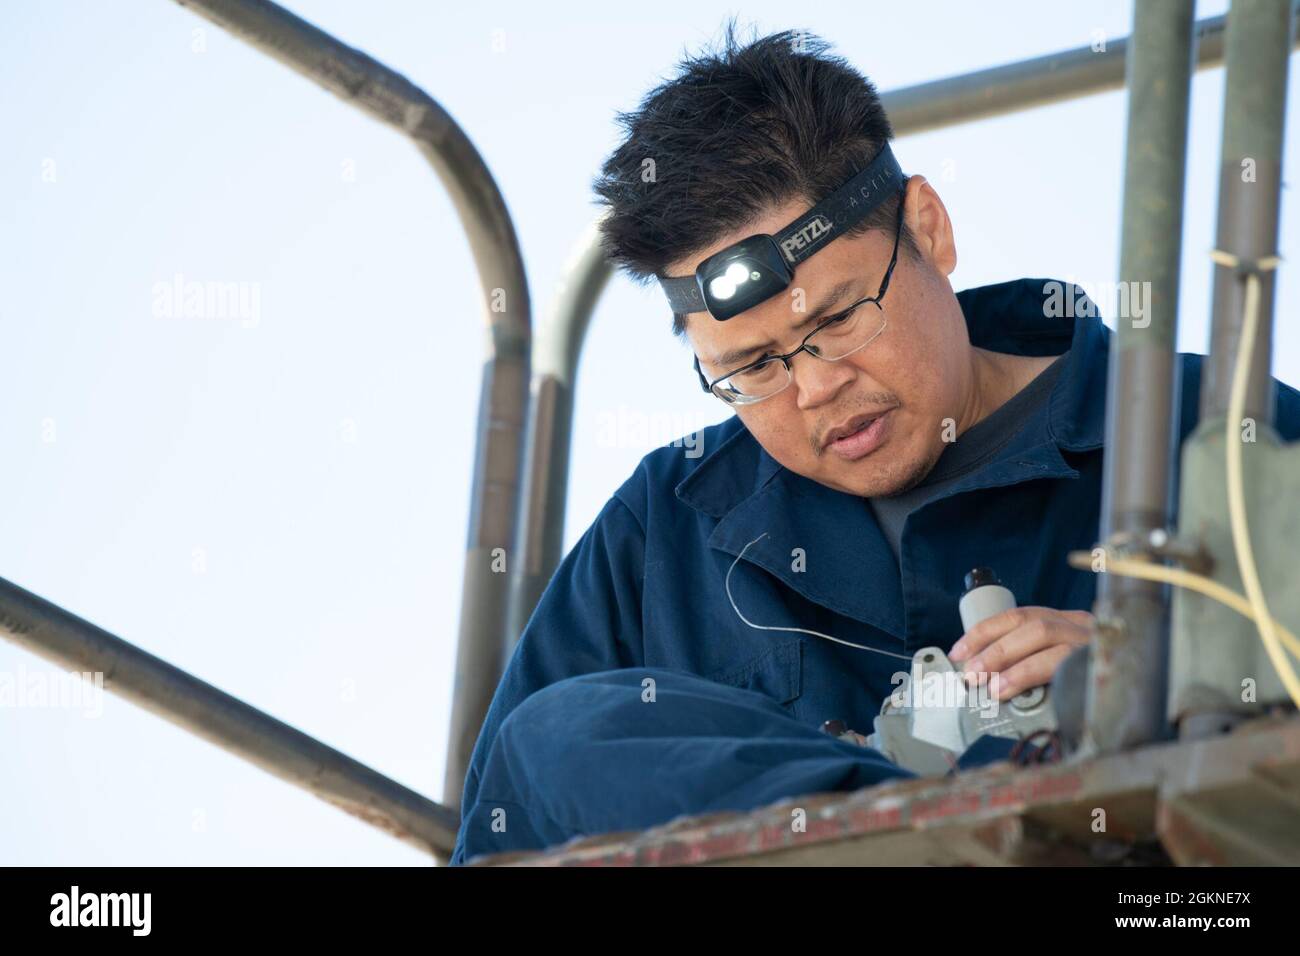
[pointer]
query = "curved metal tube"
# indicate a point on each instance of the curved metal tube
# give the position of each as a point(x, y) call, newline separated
point(560, 335)
point(1065, 75)
point(392, 99)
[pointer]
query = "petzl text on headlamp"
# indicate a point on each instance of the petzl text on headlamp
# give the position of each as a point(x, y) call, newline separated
point(755, 269)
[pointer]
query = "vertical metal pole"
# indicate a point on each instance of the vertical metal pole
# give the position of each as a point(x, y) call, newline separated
point(1125, 695)
point(1207, 649)
point(558, 341)
point(1250, 186)
point(485, 589)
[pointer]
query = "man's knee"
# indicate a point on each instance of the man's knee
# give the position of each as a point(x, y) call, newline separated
point(553, 725)
point(594, 706)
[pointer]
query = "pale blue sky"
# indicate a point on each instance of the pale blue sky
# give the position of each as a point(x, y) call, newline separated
point(280, 506)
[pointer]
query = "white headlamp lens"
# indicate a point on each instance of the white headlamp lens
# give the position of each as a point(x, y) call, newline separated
point(737, 273)
point(721, 287)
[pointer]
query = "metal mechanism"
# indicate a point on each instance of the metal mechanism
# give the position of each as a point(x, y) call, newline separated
point(1219, 669)
point(1215, 683)
point(932, 717)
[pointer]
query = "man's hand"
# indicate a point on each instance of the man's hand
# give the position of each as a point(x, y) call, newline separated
point(1021, 647)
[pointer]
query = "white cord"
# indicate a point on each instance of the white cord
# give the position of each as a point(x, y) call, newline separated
point(1236, 495)
point(796, 630)
point(1253, 606)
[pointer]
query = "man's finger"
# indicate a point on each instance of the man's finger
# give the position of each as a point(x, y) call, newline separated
point(1033, 671)
point(989, 630)
point(1035, 634)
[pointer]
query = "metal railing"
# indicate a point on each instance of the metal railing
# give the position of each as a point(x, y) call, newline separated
point(494, 606)
point(190, 703)
point(1124, 702)
point(205, 711)
point(392, 99)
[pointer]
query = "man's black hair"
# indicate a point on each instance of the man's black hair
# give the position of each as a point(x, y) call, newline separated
point(737, 132)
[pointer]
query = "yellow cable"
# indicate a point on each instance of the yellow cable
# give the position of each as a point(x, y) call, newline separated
point(1150, 571)
point(1236, 495)
point(1255, 608)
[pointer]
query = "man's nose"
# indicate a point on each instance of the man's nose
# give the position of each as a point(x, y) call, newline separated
point(818, 381)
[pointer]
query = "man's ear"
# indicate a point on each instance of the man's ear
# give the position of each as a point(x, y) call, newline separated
point(927, 220)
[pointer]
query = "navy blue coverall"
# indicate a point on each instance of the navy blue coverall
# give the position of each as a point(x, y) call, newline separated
point(636, 693)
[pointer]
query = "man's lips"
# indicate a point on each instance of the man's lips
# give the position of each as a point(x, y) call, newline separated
point(859, 436)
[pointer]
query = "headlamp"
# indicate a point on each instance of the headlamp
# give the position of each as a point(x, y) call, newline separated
point(761, 266)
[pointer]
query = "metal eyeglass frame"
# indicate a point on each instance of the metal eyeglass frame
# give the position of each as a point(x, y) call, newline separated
point(803, 346)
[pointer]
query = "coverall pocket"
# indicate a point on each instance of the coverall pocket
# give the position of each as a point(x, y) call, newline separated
point(776, 673)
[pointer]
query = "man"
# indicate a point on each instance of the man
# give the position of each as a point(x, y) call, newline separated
point(889, 436)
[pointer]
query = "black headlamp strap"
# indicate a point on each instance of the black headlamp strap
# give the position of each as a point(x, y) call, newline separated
point(684, 295)
point(830, 218)
point(842, 209)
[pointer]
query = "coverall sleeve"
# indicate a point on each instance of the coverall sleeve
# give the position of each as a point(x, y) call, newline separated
point(588, 619)
point(1287, 415)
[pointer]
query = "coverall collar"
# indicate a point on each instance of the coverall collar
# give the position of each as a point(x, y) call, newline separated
point(752, 495)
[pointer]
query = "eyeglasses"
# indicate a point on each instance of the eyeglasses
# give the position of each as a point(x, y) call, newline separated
point(839, 336)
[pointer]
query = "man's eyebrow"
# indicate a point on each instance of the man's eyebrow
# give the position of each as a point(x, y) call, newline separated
point(832, 298)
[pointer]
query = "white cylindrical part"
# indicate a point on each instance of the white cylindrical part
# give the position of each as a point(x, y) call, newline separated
point(983, 602)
